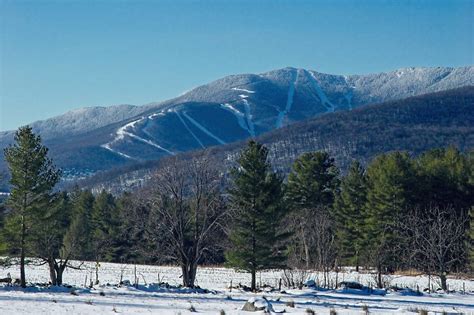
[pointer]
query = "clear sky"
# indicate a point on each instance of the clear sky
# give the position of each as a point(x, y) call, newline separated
point(60, 55)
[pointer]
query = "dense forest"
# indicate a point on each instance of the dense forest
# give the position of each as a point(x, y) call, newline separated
point(414, 125)
point(398, 212)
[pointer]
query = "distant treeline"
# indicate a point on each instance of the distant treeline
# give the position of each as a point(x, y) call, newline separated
point(400, 212)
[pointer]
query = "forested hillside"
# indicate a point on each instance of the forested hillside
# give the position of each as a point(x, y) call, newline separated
point(414, 124)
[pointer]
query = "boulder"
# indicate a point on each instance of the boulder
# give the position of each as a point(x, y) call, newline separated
point(258, 304)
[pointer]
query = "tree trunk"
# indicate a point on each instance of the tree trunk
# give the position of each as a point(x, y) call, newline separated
point(52, 272)
point(442, 278)
point(184, 270)
point(306, 248)
point(192, 275)
point(357, 260)
point(59, 274)
point(97, 271)
point(22, 253)
point(379, 277)
point(254, 281)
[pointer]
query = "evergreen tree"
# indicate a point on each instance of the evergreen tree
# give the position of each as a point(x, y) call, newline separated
point(256, 197)
point(444, 177)
point(49, 234)
point(79, 235)
point(105, 223)
point(312, 186)
point(313, 181)
point(33, 177)
point(350, 214)
point(445, 181)
point(390, 192)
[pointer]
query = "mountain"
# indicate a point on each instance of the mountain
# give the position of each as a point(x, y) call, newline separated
point(230, 109)
point(80, 120)
point(414, 124)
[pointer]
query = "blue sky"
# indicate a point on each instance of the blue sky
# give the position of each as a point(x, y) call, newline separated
point(60, 55)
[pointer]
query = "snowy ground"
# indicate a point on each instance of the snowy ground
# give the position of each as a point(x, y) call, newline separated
point(149, 298)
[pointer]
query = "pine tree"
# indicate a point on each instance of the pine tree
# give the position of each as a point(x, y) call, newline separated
point(312, 186)
point(79, 235)
point(350, 214)
point(391, 188)
point(49, 234)
point(33, 177)
point(256, 197)
point(313, 181)
point(104, 225)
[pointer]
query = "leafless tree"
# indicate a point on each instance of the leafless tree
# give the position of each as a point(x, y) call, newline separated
point(187, 212)
point(437, 238)
point(323, 238)
point(314, 243)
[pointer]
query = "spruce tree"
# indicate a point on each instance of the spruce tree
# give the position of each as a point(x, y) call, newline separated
point(33, 177)
point(350, 214)
point(49, 234)
point(312, 186)
point(104, 225)
point(79, 234)
point(391, 189)
point(256, 197)
point(313, 181)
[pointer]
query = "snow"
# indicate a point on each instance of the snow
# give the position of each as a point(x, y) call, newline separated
point(248, 114)
point(243, 90)
point(238, 114)
point(348, 97)
point(122, 132)
point(149, 142)
point(107, 147)
point(152, 116)
point(322, 96)
point(289, 101)
point(152, 298)
point(203, 129)
point(189, 129)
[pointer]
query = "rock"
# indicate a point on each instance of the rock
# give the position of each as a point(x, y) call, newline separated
point(258, 304)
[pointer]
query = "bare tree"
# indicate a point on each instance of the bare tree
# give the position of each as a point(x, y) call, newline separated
point(379, 254)
point(187, 211)
point(314, 243)
point(437, 238)
point(324, 240)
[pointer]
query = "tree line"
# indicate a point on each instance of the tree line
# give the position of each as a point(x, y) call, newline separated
point(399, 212)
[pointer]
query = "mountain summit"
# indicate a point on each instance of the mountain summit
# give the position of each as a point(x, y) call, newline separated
point(226, 110)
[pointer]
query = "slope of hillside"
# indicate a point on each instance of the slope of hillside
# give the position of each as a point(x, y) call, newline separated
point(414, 124)
point(230, 109)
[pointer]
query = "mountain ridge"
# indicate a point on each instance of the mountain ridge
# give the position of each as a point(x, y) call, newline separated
point(223, 111)
point(396, 125)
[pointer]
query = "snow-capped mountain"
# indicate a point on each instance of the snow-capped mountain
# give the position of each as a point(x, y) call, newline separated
point(414, 124)
point(226, 110)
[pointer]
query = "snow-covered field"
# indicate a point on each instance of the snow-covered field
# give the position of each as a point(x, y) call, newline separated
point(149, 298)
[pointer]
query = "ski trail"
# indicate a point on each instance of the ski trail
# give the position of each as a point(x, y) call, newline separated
point(243, 90)
point(322, 96)
point(248, 115)
point(203, 129)
point(148, 142)
point(107, 147)
point(289, 100)
point(152, 116)
point(238, 114)
point(348, 97)
point(122, 132)
point(189, 129)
